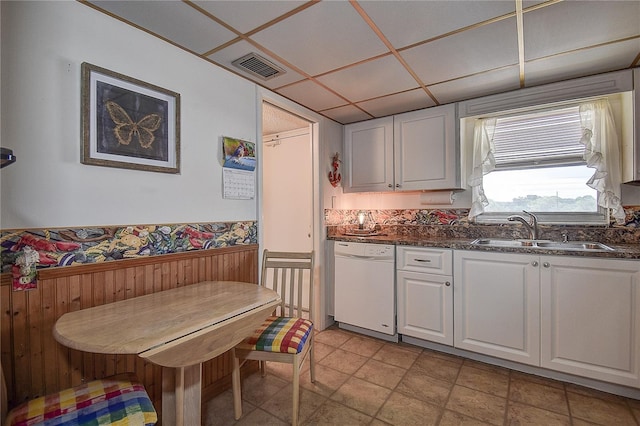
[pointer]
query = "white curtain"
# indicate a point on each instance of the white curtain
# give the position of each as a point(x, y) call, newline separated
point(483, 162)
point(602, 153)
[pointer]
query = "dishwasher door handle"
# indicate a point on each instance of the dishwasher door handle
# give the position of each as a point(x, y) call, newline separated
point(355, 256)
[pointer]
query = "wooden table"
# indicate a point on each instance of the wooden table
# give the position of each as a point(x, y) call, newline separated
point(177, 329)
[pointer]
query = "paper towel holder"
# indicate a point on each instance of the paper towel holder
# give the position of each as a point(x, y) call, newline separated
point(438, 197)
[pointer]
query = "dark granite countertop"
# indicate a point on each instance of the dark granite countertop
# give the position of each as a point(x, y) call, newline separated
point(622, 251)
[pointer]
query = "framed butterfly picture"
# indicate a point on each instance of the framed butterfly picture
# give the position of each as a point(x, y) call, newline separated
point(128, 123)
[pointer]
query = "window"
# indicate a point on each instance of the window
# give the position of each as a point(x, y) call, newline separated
point(539, 165)
point(561, 163)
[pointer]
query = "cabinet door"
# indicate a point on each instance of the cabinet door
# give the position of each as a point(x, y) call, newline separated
point(369, 155)
point(589, 317)
point(425, 149)
point(425, 306)
point(497, 305)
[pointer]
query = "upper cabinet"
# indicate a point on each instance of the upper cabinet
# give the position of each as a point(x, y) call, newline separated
point(368, 152)
point(426, 154)
point(631, 145)
point(407, 152)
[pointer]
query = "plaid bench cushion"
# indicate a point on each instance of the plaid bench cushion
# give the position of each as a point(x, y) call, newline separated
point(118, 400)
point(279, 334)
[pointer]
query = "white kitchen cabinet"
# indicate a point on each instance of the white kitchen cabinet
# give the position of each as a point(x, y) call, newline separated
point(368, 147)
point(426, 154)
point(425, 293)
point(497, 305)
point(412, 151)
point(631, 144)
point(590, 317)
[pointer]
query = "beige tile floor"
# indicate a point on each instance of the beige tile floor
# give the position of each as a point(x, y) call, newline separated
point(365, 381)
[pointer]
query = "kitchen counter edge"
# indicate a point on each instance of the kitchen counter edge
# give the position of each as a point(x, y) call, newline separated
point(622, 251)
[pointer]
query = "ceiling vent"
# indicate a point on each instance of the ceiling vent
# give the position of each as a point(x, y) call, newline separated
point(258, 66)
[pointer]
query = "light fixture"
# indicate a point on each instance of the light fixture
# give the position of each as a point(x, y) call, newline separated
point(6, 157)
point(362, 215)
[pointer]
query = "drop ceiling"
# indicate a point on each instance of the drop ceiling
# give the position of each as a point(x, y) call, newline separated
point(357, 60)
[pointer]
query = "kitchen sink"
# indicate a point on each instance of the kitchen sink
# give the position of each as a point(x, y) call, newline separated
point(575, 245)
point(507, 243)
point(543, 244)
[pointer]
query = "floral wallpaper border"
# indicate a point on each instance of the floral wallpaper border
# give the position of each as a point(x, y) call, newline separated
point(73, 246)
point(436, 217)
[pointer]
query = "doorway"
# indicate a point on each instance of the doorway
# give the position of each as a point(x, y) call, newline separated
point(287, 181)
point(287, 184)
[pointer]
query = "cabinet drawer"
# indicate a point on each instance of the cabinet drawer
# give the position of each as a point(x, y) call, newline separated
point(419, 259)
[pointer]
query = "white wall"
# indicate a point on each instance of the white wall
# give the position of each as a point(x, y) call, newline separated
point(43, 45)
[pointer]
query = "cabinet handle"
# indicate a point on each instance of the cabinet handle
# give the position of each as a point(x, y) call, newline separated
point(397, 185)
point(390, 186)
point(546, 264)
point(447, 283)
point(534, 263)
point(422, 260)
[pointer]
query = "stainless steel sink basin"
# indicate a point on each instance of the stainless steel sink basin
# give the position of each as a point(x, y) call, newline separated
point(575, 245)
point(507, 243)
point(543, 244)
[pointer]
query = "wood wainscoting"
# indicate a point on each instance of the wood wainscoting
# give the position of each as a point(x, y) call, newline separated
point(35, 364)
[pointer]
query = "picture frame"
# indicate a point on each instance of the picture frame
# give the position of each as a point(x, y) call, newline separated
point(128, 123)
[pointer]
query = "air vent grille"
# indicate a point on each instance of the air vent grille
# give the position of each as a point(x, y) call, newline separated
point(256, 65)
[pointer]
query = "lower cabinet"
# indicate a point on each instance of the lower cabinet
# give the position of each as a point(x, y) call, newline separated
point(425, 293)
point(589, 317)
point(571, 314)
point(497, 305)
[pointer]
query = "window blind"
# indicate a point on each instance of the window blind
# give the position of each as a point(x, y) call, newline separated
point(539, 139)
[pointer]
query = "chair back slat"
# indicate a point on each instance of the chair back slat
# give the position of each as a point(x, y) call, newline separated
point(300, 290)
point(291, 288)
point(288, 273)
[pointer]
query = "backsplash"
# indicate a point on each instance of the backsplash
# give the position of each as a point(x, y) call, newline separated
point(72, 246)
point(454, 223)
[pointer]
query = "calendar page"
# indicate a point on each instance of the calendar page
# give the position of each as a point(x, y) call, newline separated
point(238, 176)
point(238, 184)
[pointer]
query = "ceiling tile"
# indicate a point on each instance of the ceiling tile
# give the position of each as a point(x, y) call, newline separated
point(488, 47)
point(400, 102)
point(245, 16)
point(323, 37)
point(346, 114)
point(408, 22)
point(237, 50)
point(530, 3)
point(487, 83)
point(581, 63)
point(311, 95)
point(371, 79)
point(175, 21)
point(576, 24)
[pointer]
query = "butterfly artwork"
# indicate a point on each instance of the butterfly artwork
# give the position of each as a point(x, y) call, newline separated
point(126, 128)
point(128, 123)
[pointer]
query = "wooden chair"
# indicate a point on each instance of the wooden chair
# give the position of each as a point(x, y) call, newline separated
point(119, 400)
point(285, 337)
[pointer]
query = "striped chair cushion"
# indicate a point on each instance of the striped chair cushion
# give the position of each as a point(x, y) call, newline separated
point(279, 334)
point(118, 400)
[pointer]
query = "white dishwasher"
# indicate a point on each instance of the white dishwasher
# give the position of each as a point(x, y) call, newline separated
point(365, 291)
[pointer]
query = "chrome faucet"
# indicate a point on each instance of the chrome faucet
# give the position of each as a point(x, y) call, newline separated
point(531, 224)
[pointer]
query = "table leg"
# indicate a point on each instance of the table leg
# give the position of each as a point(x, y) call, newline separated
point(182, 395)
